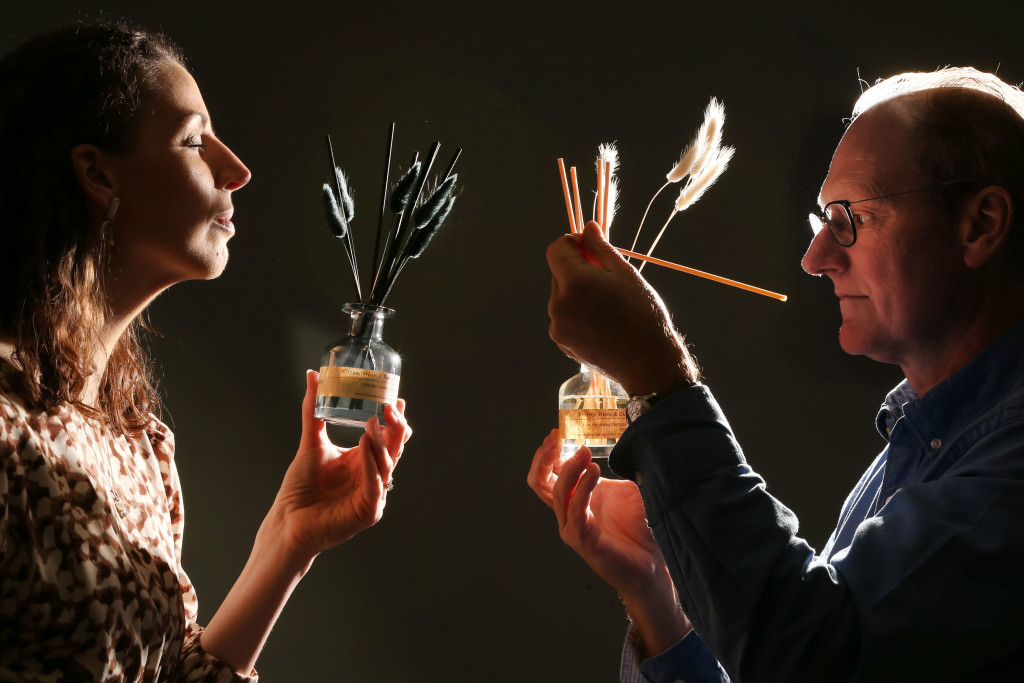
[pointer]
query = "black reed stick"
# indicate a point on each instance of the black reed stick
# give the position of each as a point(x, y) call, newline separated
point(400, 197)
point(451, 166)
point(383, 199)
point(345, 201)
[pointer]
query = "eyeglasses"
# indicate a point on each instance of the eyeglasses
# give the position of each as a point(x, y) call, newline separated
point(839, 219)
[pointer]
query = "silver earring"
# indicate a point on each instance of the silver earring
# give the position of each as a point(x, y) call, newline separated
point(107, 226)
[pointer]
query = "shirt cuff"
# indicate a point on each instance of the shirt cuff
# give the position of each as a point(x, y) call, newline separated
point(196, 664)
point(688, 660)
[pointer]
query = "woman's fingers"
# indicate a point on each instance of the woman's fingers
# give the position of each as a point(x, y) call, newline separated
point(397, 430)
point(367, 451)
point(381, 458)
point(312, 426)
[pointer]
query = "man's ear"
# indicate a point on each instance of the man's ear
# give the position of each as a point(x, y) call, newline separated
point(94, 175)
point(988, 218)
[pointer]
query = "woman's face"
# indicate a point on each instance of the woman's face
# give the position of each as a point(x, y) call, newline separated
point(174, 184)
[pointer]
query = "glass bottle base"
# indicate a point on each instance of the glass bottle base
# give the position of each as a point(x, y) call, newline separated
point(597, 450)
point(348, 412)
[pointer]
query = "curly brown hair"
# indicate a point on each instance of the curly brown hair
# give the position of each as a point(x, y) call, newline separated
point(81, 85)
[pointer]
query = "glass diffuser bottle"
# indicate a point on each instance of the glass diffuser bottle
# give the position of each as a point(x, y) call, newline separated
point(359, 373)
point(591, 413)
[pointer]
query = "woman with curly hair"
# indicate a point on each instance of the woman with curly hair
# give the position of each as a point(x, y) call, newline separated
point(113, 187)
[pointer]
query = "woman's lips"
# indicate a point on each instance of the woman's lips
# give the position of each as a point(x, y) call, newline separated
point(223, 221)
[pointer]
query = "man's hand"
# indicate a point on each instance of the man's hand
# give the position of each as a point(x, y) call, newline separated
point(603, 520)
point(607, 316)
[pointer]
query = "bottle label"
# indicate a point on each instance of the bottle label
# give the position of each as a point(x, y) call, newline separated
point(591, 423)
point(370, 385)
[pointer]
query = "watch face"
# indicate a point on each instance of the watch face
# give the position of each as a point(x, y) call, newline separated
point(635, 408)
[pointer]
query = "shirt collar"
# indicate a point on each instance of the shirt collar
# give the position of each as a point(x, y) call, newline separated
point(972, 388)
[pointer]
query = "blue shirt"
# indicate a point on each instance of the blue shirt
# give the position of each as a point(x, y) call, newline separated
point(923, 578)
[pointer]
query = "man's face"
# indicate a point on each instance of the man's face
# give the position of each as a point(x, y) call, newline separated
point(899, 283)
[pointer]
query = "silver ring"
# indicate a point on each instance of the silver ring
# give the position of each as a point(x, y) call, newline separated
point(388, 486)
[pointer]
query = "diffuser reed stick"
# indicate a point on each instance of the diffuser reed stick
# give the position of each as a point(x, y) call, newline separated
point(383, 197)
point(576, 199)
point(568, 200)
point(700, 273)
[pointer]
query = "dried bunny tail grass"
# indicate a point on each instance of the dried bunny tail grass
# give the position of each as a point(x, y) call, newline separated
point(426, 211)
point(713, 167)
point(423, 236)
point(345, 199)
point(707, 138)
point(608, 152)
point(402, 191)
point(335, 220)
point(694, 158)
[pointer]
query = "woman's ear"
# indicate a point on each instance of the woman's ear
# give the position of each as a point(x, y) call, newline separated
point(988, 219)
point(94, 174)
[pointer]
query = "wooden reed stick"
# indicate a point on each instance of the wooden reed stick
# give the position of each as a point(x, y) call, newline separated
point(700, 273)
point(606, 198)
point(568, 200)
point(576, 196)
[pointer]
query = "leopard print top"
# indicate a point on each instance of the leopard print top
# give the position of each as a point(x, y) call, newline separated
point(86, 595)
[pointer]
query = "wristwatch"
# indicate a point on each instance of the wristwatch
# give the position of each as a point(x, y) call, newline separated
point(638, 405)
point(641, 403)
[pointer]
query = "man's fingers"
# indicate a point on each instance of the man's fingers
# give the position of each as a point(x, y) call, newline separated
point(541, 475)
point(578, 511)
point(568, 479)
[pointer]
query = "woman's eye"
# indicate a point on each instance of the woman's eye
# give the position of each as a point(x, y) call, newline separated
point(194, 141)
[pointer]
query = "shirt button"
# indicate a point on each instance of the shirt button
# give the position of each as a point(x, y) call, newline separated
point(639, 479)
point(936, 444)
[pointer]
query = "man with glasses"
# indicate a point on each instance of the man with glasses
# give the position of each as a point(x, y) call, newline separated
point(923, 578)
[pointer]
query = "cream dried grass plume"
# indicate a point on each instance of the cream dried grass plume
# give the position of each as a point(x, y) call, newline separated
point(701, 164)
point(609, 154)
point(694, 159)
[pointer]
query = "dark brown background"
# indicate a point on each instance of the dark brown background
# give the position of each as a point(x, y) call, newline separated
point(466, 578)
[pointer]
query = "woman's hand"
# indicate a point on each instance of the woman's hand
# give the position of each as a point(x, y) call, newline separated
point(604, 521)
point(330, 494)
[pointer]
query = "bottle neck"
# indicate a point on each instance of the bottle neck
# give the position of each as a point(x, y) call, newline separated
point(367, 321)
point(366, 326)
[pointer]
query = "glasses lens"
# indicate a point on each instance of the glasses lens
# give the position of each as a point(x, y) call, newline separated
point(838, 219)
point(816, 223)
